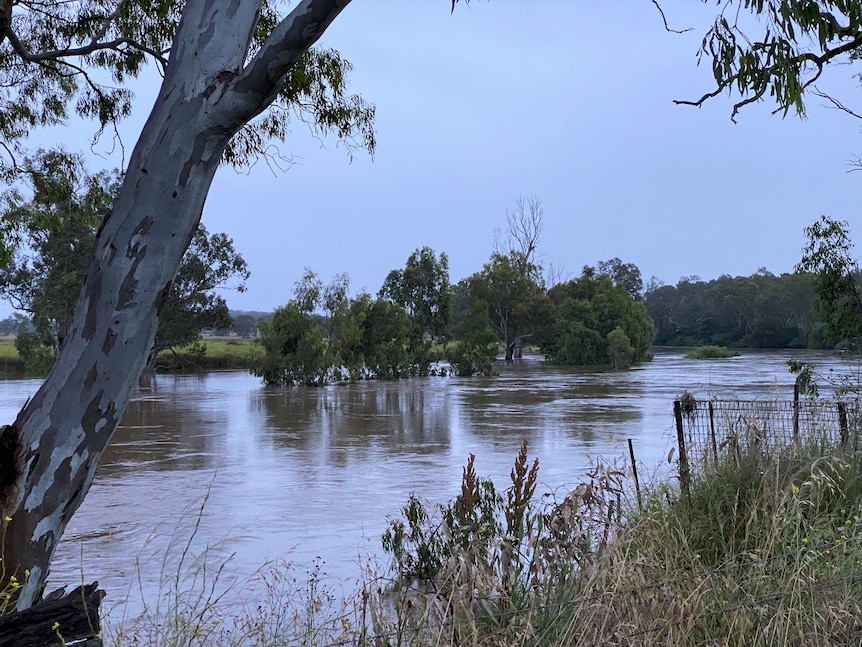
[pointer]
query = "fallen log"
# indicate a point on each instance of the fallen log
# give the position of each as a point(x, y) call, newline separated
point(59, 619)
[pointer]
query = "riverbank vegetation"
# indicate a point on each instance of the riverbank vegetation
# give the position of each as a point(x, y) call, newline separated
point(765, 548)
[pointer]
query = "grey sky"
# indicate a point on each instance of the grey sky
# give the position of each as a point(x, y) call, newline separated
point(568, 100)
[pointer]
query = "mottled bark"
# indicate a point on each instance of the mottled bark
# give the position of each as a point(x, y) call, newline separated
point(206, 96)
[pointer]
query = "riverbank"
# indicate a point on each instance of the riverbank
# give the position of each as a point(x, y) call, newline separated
point(765, 549)
point(212, 353)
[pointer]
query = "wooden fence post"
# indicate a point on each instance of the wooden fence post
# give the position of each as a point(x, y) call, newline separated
point(795, 413)
point(684, 473)
point(712, 433)
point(635, 473)
point(842, 425)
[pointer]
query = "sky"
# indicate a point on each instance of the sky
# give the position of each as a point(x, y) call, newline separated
point(567, 100)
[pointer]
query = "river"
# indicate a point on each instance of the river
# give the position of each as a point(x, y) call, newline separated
point(314, 472)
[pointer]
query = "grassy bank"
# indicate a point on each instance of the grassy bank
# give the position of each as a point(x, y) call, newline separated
point(765, 550)
point(11, 365)
point(207, 354)
point(211, 354)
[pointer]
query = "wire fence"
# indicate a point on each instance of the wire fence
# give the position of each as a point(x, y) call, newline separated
point(715, 429)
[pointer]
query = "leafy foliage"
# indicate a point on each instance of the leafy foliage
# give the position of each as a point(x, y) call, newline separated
point(76, 58)
point(422, 289)
point(798, 39)
point(210, 263)
point(51, 234)
point(757, 311)
point(837, 278)
point(294, 348)
point(49, 238)
point(513, 289)
point(597, 322)
point(477, 345)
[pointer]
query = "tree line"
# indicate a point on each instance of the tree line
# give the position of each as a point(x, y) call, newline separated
point(418, 318)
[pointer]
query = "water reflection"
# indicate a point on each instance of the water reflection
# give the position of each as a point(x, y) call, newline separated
point(356, 421)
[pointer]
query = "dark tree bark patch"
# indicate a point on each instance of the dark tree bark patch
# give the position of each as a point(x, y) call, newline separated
point(74, 616)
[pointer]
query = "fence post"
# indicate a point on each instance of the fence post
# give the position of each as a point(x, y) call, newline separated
point(842, 425)
point(795, 413)
point(684, 475)
point(635, 472)
point(712, 433)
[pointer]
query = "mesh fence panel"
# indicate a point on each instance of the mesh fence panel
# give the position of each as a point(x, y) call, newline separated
point(727, 428)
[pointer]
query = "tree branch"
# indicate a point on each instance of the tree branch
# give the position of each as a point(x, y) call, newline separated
point(663, 19)
point(53, 55)
point(258, 85)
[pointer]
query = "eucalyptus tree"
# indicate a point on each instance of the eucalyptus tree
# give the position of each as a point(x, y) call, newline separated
point(837, 279)
point(518, 307)
point(234, 75)
point(422, 288)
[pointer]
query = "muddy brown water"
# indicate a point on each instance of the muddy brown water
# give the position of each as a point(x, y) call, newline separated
point(314, 472)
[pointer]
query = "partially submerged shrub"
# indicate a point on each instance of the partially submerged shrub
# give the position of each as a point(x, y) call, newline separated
point(711, 352)
point(486, 562)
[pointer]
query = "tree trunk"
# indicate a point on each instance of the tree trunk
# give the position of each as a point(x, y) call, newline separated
point(73, 616)
point(56, 442)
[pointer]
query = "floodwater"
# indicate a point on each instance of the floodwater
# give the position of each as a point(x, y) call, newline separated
point(314, 472)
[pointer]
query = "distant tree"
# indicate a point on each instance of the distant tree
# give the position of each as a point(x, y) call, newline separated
point(335, 302)
point(294, 352)
point(210, 263)
point(626, 274)
point(386, 331)
point(422, 289)
point(244, 325)
point(476, 346)
point(597, 322)
point(524, 226)
point(50, 238)
point(55, 232)
point(16, 324)
point(518, 307)
point(307, 291)
point(837, 279)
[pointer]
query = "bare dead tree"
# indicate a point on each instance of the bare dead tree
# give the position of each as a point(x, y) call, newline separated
point(524, 225)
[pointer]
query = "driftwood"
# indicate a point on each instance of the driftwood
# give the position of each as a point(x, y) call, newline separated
point(59, 619)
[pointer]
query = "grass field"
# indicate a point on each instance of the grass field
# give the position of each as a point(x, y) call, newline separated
point(208, 354)
point(11, 366)
point(211, 353)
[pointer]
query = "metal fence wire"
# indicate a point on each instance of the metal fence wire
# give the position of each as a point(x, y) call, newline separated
point(711, 430)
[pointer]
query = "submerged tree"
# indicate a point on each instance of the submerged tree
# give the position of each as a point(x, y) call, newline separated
point(597, 321)
point(518, 308)
point(422, 289)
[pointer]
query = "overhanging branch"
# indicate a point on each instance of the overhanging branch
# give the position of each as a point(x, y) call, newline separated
point(58, 54)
